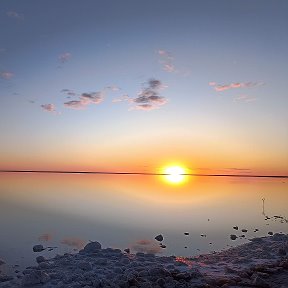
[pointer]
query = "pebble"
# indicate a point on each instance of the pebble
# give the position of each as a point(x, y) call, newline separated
point(92, 247)
point(159, 238)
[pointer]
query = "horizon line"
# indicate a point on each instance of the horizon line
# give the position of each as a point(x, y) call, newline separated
point(141, 173)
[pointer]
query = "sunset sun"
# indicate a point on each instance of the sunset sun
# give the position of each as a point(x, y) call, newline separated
point(174, 174)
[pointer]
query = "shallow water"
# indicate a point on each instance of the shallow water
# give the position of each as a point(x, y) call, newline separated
point(129, 211)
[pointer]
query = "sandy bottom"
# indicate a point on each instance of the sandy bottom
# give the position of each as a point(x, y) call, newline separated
point(263, 262)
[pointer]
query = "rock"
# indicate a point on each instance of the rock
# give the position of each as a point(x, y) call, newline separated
point(159, 238)
point(282, 252)
point(40, 259)
point(92, 247)
point(186, 233)
point(270, 233)
point(38, 248)
point(2, 262)
point(260, 282)
point(84, 265)
point(233, 237)
point(244, 230)
point(127, 250)
point(5, 278)
point(235, 227)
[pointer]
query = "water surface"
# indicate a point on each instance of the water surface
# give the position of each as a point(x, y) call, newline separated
point(129, 211)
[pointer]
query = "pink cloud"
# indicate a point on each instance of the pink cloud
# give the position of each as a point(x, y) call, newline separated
point(13, 14)
point(166, 61)
point(64, 57)
point(6, 75)
point(84, 100)
point(220, 88)
point(49, 107)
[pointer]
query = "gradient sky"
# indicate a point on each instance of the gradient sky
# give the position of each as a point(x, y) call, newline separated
point(135, 85)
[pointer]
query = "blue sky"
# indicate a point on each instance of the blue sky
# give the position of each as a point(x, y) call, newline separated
point(200, 82)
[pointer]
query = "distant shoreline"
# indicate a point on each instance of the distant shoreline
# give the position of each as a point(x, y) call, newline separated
point(143, 173)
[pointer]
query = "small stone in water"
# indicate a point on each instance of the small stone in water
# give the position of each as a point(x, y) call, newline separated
point(38, 248)
point(186, 233)
point(233, 237)
point(159, 238)
point(235, 227)
point(270, 233)
point(244, 230)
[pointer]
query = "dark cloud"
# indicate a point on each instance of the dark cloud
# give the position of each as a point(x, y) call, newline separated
point(149, 98)
point(84, 100)
point(69, 92)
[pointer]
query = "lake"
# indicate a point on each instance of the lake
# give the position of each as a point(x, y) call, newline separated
point(121, 211)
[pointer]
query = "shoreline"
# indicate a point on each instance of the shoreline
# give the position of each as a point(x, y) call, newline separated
point(263, 262)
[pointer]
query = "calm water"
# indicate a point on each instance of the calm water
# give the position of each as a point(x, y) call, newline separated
point(129, 211)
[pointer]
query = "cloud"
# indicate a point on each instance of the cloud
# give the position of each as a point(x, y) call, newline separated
point(75, 104)
point(220, 88)
point(74, 242)
point(48, 107)
point(166, 61)
point(146, 246)
point(113, 88)
point(64, 57)
point(121, 98)
point(148, 98)
point(92, 98)
point(14, 14)
point(68, 92)
point(45, 237)
point(245, 98)
point(6, 75)
point(84, 100)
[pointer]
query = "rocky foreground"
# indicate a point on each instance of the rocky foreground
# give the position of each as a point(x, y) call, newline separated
point(263, 262)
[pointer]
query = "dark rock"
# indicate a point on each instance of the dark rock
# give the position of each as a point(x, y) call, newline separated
point(159, 237)
point(92, 247)
point(5, 278)
point(40, 259)
point(233, 237)
point(244, 230)
point(281, 252)
point(127, 250)
point(260, 282)
point(235, 227)
point(270, 233)
point(186, 233)
point(38, 248)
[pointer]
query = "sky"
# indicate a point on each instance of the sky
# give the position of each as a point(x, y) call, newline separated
point(136, 85)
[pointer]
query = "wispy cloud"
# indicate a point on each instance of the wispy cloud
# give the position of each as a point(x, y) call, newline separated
point(14, 14)
point(84, 100)
point(245, 98)
point(64, 57)
point(148, 98)
point(49, 107)
point(166, 61)
point(69, 92)
point(220, 87)
point(6, 75)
